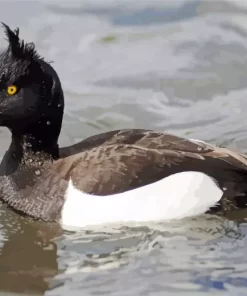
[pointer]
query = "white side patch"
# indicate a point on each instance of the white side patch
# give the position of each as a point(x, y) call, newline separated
point(175, 197)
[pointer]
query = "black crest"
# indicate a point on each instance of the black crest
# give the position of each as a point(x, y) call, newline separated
point(18, 48)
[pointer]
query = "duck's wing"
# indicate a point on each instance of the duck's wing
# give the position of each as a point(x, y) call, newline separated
point(131, 159)
point(111, 137)
point(156, 141)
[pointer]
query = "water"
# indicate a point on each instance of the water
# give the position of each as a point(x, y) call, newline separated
point(176, 66)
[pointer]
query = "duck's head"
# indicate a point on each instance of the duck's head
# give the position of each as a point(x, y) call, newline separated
point(31, 97)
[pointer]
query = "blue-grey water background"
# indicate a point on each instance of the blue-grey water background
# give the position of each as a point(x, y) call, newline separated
point(175, 66)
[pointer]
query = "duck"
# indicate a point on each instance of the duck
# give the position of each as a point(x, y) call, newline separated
point(119, 176)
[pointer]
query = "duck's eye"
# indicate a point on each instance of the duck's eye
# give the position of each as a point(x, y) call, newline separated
point(12, 89)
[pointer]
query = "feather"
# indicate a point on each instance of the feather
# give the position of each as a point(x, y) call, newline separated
point(18, 48)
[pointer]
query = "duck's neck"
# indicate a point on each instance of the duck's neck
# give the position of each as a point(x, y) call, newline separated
point(29, 144)
point(38, 144)
point(22, 174)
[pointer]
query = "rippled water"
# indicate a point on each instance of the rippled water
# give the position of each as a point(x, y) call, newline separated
point(178, 66)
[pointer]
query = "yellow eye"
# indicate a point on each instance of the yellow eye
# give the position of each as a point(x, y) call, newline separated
point(12, 89)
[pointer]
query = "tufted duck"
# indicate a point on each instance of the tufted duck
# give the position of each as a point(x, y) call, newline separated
point(118, 176)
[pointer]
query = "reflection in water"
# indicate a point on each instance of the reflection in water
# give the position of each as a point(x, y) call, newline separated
point(28, 255)
point(161, 253)
point(37, 257)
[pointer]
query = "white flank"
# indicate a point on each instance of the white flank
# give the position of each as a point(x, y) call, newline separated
point(177, 196)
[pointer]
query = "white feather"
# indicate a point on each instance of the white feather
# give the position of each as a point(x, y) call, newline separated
point(177, 196)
